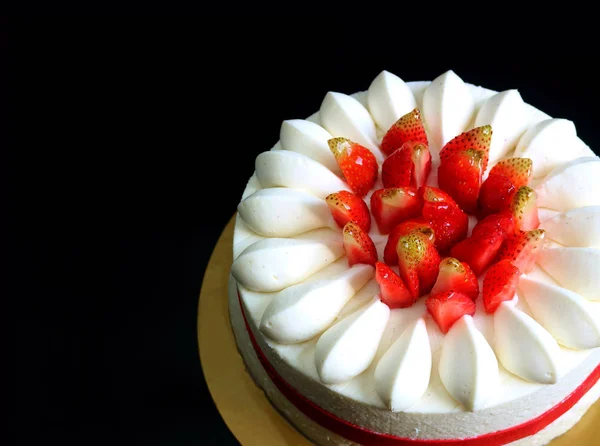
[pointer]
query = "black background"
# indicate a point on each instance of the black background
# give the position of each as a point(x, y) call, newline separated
point(130, 142)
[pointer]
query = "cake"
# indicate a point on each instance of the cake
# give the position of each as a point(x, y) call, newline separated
point(418, 263)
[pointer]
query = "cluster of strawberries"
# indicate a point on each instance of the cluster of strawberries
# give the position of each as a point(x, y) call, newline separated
point(428, 226)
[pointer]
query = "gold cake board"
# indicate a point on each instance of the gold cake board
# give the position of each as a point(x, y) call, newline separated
point(243, 406)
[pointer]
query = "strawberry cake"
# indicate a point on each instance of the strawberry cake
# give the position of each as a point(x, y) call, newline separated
point(419, 264)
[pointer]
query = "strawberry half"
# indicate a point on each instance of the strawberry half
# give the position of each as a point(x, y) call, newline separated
point(418, 261)
point(390, 256)
point(358, 245)
point(345, 206)
point(460, 176)
point(393, 291)
point(524, 209)
point(478, 139)
point(517, 170)
point(503, 181)
point(523, 249)
point(456, 276)
point(479, 250)
point(408, 128)
point(499, 284)
point(408, 166)
point(502, 220)
point(392, 206)
point(448, 307)
point(448, 221)
point(357, 163)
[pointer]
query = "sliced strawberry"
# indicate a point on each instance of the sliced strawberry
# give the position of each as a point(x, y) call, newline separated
point(419, 224)
point(448, 307)
point(450, 224)
point(392, 206)
point(502, 220)
point(517, 170)
point(460, 176)
point(358, 245)
point(523, 249)
point(499, 284)
point(418, 261)
point(357, 163)
point(457, 276)
point(393, 291)
point(524, 208)
point(408, 128)
point(480, 250)
point(495, 195)
point(478, 139)
point(345, 207)
point(408, 166)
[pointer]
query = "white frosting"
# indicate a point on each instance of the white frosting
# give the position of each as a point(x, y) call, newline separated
point(577, 227)
point(507, 114)
point(569, 317)
point(300, 312)
point(294, 170)
point(468, 367)
point(448, 109)
point(523, 346)
point(283, 212)
point(571, 185)
point(389, 98)
point(310, 139)
point(548, 144)
point(348, 348)
point(402, 374)
point(574, 268)
point(344, 116)
point(276, 263)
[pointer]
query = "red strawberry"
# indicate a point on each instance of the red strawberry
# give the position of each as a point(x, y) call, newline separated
point(495, 195)
point(448, 307)
point(418, 261)
point(357, 163)
point(524, 208)
point(499, 284)
point(480, 250)
point(408, 128)
point(517, 170)
point(358, 245)
point(392, 206)
point(345, 207)
point(478, 139)
point(393, 291)
point(408, 166)
point(448, 221)
point(460, 176)
point(502, 220)
point(457, 276)
point(523, 249)
point(419, 224)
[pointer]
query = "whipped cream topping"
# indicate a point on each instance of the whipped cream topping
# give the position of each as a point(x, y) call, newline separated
point(402, 374)
point(284, 212)
point(523, 346)
point(310, 139)
point(468, 367)
point(348, 348)
point(388, 99)
point(300, 312)
point(579, 227)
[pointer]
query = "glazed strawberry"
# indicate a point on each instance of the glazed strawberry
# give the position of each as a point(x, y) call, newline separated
point(524, 209)
point(358, 245)
point(480, 250)
point(460, 176)
point(357, 163)
point(448, 307)
point(392, 290)
point(392, 206)
point(418, 224)
point(448, 221)
point(456, 276)
point(499, 284)
point(408, 166)
point(478, 139)
point(418, 261)
point(345, 207)
point(408, 128)
point(502, 220)
point(517, 170)
point(504, 180)
point(523, 249)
